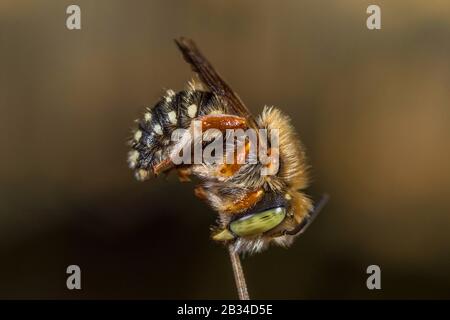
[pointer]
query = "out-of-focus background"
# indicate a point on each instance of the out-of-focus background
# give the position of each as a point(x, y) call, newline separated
point(371, 107)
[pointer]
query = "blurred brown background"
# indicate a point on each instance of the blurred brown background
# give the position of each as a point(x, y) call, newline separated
point(372, 108)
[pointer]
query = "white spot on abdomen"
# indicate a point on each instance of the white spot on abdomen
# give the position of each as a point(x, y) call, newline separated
point(170, 94)
point(192, 110)
point(157, 129)
point(142, 174)
point(137, 135)
point(158, 155)
point(133, 156)
point(172, 117)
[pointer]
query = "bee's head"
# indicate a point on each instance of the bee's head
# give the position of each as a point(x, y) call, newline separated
point(277, 216)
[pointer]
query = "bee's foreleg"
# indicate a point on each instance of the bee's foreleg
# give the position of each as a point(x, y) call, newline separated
point(184, 173)
point(222, 122)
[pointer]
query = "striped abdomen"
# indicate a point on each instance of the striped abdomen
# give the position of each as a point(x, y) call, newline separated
point(151, 142)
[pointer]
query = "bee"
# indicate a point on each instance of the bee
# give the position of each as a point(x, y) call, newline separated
point(254, 210)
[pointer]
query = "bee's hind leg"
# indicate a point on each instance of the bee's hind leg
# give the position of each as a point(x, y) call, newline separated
point(163, 166)
point(222, 122)
point(184, 173)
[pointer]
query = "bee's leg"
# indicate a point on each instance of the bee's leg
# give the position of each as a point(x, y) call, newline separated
point(212, 121)
point(246, 201)
point(163, 166)
point(229, 169)
point(222, 122)
point(200, 193)
point(167, 165)
point(184, 173)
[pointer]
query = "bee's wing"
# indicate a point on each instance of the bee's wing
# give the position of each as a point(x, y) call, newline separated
point(212, 79)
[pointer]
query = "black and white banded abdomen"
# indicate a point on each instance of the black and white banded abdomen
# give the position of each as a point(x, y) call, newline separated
point(151, 141)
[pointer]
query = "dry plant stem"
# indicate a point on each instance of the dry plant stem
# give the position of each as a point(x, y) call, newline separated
point(239, 277)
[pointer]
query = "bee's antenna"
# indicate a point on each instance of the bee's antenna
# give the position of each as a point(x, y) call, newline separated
point(239, 277)
point(319, 206)
point(311, 216)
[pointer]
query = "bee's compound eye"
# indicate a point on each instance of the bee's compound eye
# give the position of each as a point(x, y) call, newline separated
point(258, 223)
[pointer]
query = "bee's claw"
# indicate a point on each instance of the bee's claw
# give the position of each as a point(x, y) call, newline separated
point(200, 193)
point(183, 174)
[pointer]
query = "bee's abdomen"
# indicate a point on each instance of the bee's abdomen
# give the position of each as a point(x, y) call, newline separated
point(152, 140)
